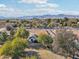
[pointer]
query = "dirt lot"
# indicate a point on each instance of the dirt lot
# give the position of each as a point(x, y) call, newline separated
point(45, 54)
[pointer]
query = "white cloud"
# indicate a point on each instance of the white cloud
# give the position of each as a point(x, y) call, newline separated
point(10, 12)
point(47, 8)
point(40, 9)
point(71, 12)
point(2, 5)
point(34, 1)
point(45, 11)
point(48, 5)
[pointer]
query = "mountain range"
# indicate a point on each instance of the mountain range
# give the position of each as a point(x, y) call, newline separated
point(42, 16)
point(49, 16)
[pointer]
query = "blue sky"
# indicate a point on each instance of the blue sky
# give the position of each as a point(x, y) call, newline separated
point(17, 8)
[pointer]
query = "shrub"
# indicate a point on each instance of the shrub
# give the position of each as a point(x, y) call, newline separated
point(46, 40)
point(3, 37)
point(21, 32)
point(14, 48)
point(6, 48)
point(32, 57)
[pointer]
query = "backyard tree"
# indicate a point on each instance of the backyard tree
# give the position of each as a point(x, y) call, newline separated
point(46, 40)
point(6, 48)
point(65, 40)
point(22, 32)
point(3, 37)
point(12, 32)
point(14, 49)
point(49, 21)
point(18, 46)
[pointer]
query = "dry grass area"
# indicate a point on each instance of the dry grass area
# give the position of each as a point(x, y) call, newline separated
point(2, 24)
point(45, 54)
point(43, 31)
point(38, 31)
point(76, 32)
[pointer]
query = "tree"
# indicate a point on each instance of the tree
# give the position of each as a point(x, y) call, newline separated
point(12, 32)
point(3, 37)
point(7, 20)
point(22, 32)
point(51, 25)
point(6, 48)
point(66, 19)
point(14, 49)
point(65, 40)
point(49, 21)
point(18, 46)
point(32, 57)
point(14, 25)
point(45, 40)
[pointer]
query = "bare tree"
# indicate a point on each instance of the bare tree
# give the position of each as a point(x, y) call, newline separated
point(65, 42)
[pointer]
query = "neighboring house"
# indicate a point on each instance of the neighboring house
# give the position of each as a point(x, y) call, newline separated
point(32, 38)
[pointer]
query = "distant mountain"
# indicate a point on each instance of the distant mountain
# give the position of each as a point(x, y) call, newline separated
point(42, 16)
point(2, 17)
point(49, 16)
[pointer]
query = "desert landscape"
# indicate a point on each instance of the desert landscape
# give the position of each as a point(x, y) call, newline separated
point(39, 29)
point(39, 42)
